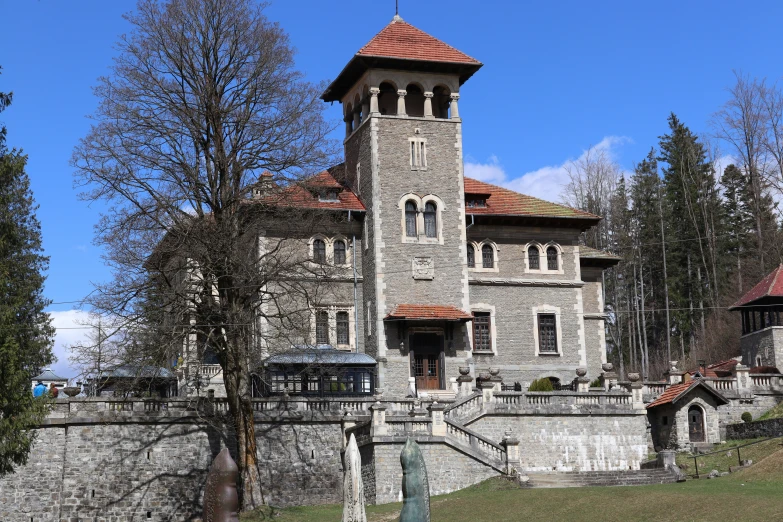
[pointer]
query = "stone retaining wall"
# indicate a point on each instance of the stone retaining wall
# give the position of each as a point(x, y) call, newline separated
point(756, 429)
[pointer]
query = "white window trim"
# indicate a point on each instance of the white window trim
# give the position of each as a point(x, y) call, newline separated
point(479, 258)
point(548, 309)
point(543, 265)
point(332, 310)
point(419, 147)
point(329, 242)
point(420, 202)
point(483, 307)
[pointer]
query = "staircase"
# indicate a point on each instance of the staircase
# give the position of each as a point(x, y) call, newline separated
point(574, 479)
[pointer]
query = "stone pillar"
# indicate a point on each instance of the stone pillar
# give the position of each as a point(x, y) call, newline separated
point(401, 102)
point(357, 119)
point(513, 458)
point(412, 387)
point(636, 391)
point(454, 385)
point(582, 381)
point(379, 426)
point(365, 108)
point(348, 126)
point(374, 92)
point(608, 377)
point(464, 381)
point(428, 105)
point(666, 458)
point(487, 388)
point(743, 378)
point(438, 422)
point(454, 108)
point(496, 379)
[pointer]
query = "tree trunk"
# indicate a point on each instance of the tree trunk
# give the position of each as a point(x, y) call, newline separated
point(665, 283)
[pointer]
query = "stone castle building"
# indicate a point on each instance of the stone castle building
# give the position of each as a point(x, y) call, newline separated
point(448, 272)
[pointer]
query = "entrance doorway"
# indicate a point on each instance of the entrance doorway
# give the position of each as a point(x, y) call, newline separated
point(427, 361)
point(695, 424)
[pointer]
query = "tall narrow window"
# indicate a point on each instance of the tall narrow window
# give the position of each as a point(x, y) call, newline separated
point(487, 257)
point(547, 333)
point(551, 258)
point(430, 220)
point(321, 328)
point(482, 332)
point(319, 251)
point(418, 153)
point(339, 252)
point(532, 258)
point(471, 257)
point(342, 328)
point(410, 219)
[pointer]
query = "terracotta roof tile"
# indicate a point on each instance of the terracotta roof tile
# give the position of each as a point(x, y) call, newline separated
point(428, 312)
point(673, 393)
point(305, 194)
point(504, 202)
point(770, 286)
point(400, 39)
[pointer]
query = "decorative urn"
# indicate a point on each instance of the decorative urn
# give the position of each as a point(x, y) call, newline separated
point(581, 372)
point(607, 367)
point(494, 371)
point(633, 377)
point(464, 370)
point(72, 391)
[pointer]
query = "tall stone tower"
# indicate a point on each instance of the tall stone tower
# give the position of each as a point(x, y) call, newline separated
point(403, 158)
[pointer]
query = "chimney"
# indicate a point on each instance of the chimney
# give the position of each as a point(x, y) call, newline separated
point(265, 185)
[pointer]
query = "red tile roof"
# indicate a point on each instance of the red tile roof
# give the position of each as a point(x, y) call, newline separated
point(417, 312)
point(673, 393)
point(770, 286)
point(505, 202)
point(306, 193)
point(400, 39)
point(727, 365)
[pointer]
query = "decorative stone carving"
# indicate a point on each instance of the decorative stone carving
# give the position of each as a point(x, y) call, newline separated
point(221, 499)
point(633, 377)
point(415, 485)
point(494, 371)
point(581, 372)
point(423, 268)
point(464, 370)
point(353, 488)
point(607, 367)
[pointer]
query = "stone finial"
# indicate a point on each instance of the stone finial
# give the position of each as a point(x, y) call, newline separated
point(633, 377)
point(353, 488)
point(581, 372)
point(607, 367)
point(415, 484)
point(221, 499)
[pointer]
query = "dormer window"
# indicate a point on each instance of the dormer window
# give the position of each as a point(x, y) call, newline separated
point(476, 202)
point(329, 196)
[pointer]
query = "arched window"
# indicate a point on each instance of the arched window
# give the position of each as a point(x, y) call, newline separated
point(430, 220)
point(387, 99)
point(342, 328)
point(321, 328)
point(487, 257)
point(471, 257)
point(410, 219)
point(532, 258)
point(319, 251)
point(414, 101)
point(551, 258)
point(339, 252)
point(440, 102)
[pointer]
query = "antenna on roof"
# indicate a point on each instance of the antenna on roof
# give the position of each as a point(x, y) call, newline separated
point(397, 17)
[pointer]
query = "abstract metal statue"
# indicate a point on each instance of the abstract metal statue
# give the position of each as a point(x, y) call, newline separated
point(221, 499)
point(353, 489)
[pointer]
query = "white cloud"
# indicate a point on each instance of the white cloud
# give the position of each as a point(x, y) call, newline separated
point(69, 331)
point(546, 182)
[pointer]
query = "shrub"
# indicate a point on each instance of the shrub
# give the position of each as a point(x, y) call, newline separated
point(596, 383)
point(746, 417)
point(541, 385)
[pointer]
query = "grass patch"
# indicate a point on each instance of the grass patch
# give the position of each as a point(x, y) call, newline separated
point(727, 456)
point(498, 500)
point(773, 413)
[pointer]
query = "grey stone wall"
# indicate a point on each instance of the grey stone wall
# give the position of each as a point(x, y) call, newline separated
point(766, 343)
point(137, 470)
point(572, 442)
point(756, 405)
point(756, 429)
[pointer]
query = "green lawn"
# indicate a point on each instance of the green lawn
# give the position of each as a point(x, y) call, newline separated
point(752, 494)
point(725, 455)
point(774, 413)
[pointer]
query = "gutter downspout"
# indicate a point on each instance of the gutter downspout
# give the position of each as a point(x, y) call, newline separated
point(355, 289)
point(472, 221)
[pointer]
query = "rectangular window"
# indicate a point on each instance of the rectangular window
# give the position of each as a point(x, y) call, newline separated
point(322, 328)
point(342, 328)
point(547, 333)
point(482, 333)
point(418, 153)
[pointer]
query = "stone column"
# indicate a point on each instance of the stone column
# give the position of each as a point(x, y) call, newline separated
point(636, 391)
point(379, 426)
point(357, 119)
point(401, 102)
point(374, 92)
point(487, 388)
point(454, 108)
point(365, 108)
point(513, 458)
point(348, 126)
point(438, 422)
point(582, 381)
point(464, 381)
point(428, 105)
point(353, 488)
point(743, 379)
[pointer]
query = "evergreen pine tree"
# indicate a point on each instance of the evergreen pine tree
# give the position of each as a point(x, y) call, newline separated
point(25, 329)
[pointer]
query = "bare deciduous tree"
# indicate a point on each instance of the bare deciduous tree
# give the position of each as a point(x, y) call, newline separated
point(203, 97)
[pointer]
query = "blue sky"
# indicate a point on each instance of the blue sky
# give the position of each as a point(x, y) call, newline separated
point(558, 77)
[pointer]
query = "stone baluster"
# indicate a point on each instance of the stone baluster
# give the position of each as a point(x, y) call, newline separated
point(401, 102)
point(379, 426)
point(438, 423)
point(464, 380)
point(636, 391)
point(513, 458)
point(374, 92)
point(428, 105)
point(454, 108)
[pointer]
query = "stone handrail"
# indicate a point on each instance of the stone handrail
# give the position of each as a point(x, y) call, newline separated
point(766, 380)
point(511, 401)
point(722, 383)
point(210, 370)
point(464, 406)
point(462, 435)
point(654, 388)
point(409, 426)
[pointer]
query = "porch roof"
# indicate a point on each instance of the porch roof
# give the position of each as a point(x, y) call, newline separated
point(678, 391)
point(419, 312)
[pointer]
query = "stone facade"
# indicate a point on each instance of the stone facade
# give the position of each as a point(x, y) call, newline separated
point(670, 427)
point(754, 430)
point(763, 347)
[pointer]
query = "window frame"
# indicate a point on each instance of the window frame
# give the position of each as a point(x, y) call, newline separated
point(486, 247)
point(417, 153)
point(322, 328)
point(471, 255)
point(528, 259)
point(344, 252)
point(317, 252)
point(478, 249)
point(409, 223)
point(342, 320)
point(549, 258)
point(547, 310)
point(486, 310)
point(430, 214)
point(332, 312)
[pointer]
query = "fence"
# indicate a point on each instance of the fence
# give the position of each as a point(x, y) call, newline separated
point(729, 458)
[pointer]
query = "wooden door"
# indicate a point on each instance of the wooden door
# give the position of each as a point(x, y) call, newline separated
point(427, 364)
point(695, 424)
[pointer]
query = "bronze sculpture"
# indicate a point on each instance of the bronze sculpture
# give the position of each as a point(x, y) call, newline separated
point(221, 499)
point(415, 485)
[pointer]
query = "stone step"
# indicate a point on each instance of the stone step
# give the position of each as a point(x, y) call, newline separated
point(572, 479)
